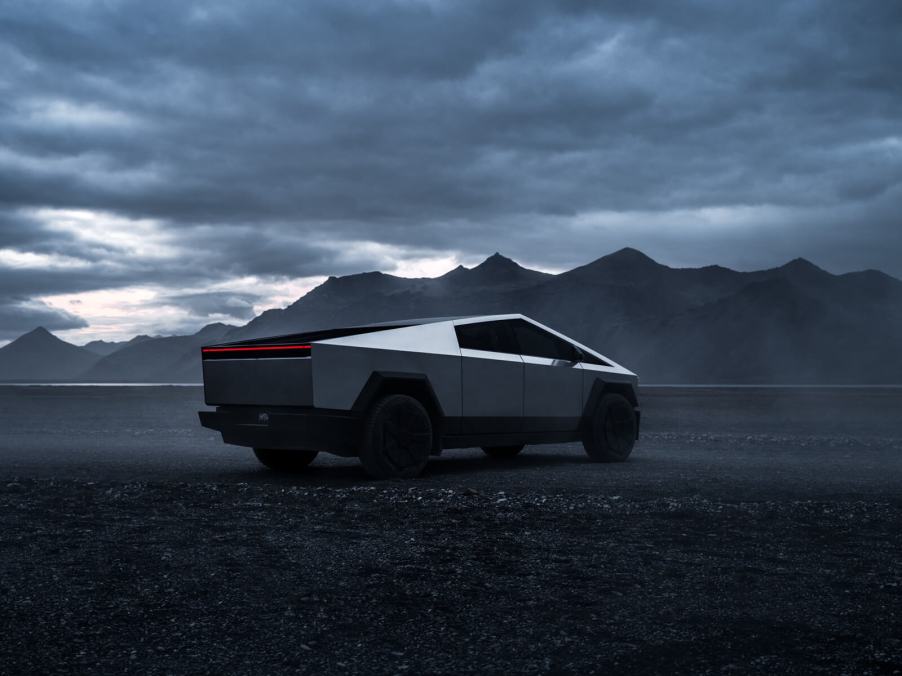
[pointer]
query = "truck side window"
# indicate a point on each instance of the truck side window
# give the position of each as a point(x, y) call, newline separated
point(535, 342)
point(592, 359)
point(488, 336)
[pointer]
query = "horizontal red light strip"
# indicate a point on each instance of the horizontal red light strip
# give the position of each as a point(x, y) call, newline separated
point(260, 348)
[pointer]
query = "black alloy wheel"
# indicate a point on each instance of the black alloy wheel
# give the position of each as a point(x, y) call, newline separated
point(397, 438)
point(611, 433)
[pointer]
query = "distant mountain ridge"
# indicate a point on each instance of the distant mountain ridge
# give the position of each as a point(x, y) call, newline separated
point(40, 356)
point(794, 324)
point(167, 359)
point(104, 348)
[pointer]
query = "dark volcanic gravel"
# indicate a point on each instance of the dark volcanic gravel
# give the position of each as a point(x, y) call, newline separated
point(732, 547)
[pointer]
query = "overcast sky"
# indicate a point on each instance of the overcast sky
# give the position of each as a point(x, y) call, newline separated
point(167, 164)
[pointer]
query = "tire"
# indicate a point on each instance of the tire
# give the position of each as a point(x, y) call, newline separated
point(611, 433)
point(503, 451)
point(282, 460)
point(397, 438)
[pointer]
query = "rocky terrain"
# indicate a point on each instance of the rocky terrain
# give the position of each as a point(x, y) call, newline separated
point(753, 531)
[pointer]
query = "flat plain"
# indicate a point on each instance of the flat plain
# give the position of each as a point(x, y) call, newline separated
point(754, 530)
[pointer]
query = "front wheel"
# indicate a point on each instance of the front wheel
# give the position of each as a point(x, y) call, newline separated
point(503, 451)
point(397, 438)
point(284, 461)
point(611, 433)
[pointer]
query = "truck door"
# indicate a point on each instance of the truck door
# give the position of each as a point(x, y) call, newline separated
point(553, 379)
point(491, 379)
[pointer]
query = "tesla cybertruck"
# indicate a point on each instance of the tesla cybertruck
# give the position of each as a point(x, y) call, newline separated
point(393, 394)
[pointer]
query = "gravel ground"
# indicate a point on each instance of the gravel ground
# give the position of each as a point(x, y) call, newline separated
point(754, 531)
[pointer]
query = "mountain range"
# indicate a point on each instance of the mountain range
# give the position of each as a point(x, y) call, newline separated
point(793, 324)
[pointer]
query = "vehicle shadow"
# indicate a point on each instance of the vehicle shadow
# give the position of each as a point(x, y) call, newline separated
point(449, 465)
point(347, 472)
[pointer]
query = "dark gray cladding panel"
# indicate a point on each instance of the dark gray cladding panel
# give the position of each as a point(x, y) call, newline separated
point(259, 382)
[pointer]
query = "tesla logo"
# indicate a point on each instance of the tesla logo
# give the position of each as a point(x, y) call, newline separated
point(263, 418)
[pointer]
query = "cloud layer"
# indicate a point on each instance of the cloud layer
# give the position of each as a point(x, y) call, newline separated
point(208, 151)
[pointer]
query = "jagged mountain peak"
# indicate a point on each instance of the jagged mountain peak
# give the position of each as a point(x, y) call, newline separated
point(39, 331)
point(39, 355)
point(628, 255)
point(498, 262)
point(39, 335)
point(357, 279)
point(496, 269)
point(370, 274)
point(802, 264)
point(801, 270)
point(214, 329)
point(622, 265)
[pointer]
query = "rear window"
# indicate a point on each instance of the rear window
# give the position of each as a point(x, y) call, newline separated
point(487, 336)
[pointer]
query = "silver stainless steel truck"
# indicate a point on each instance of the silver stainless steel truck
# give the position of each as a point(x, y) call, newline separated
point(393, 394)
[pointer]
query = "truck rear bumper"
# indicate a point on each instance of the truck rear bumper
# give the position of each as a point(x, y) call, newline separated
point(309, 429)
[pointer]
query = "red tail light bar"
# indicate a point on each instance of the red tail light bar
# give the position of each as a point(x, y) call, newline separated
point(254, 348)
point(255, 351)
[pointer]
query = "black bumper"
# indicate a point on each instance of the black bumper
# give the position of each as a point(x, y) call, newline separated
point(310, 429)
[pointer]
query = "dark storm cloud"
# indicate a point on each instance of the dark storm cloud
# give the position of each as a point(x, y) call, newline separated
point(20, 315)
point(215, 303)
point(270, 139)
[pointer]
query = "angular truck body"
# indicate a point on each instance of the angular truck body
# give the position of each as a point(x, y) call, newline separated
point(393, 394)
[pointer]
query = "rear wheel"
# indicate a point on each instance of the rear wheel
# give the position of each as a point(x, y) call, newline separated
point(285, 460)
point(503, 451)
point(397, 438)
point(611, 433)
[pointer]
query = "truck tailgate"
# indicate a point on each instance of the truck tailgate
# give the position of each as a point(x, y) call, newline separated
point(258, 382)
